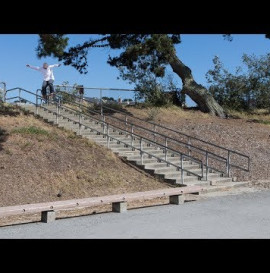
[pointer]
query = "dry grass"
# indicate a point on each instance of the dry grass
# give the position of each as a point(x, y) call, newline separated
point(163, 113)
point(40, 163)
point(258, 115)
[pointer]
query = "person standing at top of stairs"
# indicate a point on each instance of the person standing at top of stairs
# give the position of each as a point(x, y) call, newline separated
point(48, 77)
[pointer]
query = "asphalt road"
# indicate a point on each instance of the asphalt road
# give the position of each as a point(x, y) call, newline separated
point(246, 215)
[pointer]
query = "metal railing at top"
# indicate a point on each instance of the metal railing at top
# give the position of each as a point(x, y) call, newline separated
point(193, 144)
point(105, 132)
point(97, 92)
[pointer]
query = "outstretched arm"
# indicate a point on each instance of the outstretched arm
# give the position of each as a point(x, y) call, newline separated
point(54, 65)
point(33, 67)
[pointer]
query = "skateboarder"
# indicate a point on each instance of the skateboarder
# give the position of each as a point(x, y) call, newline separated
point(48, 77)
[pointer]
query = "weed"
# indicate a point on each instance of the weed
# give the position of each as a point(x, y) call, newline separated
point(153, 113)
point(32, 130)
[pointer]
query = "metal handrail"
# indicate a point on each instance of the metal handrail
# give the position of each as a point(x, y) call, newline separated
point(188, 136)
point(205, 152)
point(187, 145)
point(153, 123)
point(182, 155)
point(132, 146)
point(120, 129)
point(229, 151)
point(5, 90)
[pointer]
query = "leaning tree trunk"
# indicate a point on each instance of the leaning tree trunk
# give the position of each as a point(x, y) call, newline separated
point(195, 91)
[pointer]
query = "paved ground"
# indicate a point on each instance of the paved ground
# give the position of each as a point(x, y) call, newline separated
point(245, 215)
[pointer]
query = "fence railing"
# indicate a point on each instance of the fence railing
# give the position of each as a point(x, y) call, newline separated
point(223, 159)
point(107, 133)
point(154, 133)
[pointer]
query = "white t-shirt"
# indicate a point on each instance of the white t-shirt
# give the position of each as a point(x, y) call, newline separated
point(47, 73)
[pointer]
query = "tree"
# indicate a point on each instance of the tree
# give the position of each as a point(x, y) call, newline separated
point(139, 51)
point(244, 89)
point(153, 90)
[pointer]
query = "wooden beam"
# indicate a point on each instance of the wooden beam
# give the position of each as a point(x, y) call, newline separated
point(93, 201)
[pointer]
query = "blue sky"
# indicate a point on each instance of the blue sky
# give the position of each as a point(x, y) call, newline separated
point(196, 51)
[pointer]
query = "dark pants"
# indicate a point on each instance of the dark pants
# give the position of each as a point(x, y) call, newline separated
point(44, 86)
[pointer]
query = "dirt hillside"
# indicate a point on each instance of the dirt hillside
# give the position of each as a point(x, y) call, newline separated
point(39, 163)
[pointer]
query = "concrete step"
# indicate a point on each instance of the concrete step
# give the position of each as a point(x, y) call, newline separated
point(172, 169)
point(161, 165)
point(177, 179)
point(175, 174)
point(89, 132)
point(147, 160)
point(219, 181)
point(190, 182)
point(121, 147)
point(150, 164)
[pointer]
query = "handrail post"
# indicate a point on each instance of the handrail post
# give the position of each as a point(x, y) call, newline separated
point(80, 120)
point(20, 94)
point(181, 166)
point(103, 123)
point(59, 104)
point(141, 150)
point(108, 137)
point(57, 112)
point(5, 91)
point(126, 123)
point(189, 150)
point(166, 146)
point(155, 129)
point(206, 159)
point(132, 135)
point(202, 170)
point(228, 163)
point(80, 123)
point(101, 103)
point(36, 102)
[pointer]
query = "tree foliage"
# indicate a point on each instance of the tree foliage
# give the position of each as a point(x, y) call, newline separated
point(247, 88)
point(148, 54)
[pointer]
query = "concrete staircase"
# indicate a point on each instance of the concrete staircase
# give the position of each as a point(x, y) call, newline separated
point(152, 159)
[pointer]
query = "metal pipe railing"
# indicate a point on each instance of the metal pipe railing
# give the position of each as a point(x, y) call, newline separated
point(108, 136)
point(142, 152)
point(202, 151)
point(172, 130)
point(138, 127)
